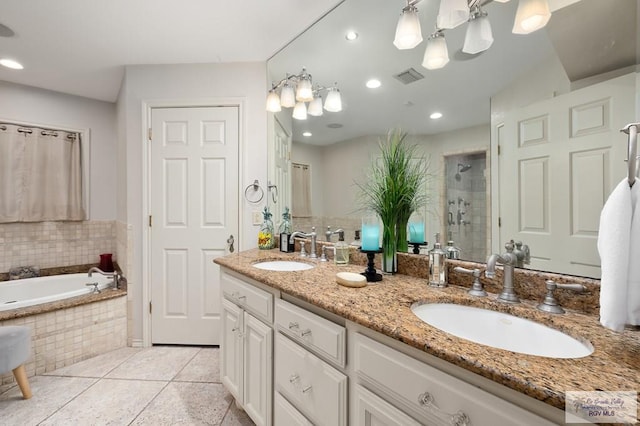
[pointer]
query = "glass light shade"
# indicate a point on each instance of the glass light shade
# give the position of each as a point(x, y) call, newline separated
point(300, 111)
point(334, 101)
point(408, 32)
point(531, 16)
point(436, 55)
point(315, 107)
point(273, 101)
point(287, 96)
point(479, 36)
point(452, 13)
point(304, 92)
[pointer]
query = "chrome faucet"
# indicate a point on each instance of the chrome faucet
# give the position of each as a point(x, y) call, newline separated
point(115, 275)
point(509, 261)
point(329, 233)
point(523, 254)
point(311, 235)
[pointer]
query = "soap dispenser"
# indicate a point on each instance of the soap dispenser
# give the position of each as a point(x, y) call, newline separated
point(437, 266)
point(341, 256)
point(285, 232)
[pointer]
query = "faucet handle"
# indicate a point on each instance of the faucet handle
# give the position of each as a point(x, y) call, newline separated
point(303, 252)
point(550, 304)
point(477, 289)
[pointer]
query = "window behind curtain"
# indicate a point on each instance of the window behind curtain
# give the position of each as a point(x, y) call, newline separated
point(40, 175)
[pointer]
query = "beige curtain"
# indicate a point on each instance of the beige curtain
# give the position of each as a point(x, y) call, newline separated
point(41, 175)
point(301, 190)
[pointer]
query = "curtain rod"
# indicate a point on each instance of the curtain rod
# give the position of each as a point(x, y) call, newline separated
point(43, 131)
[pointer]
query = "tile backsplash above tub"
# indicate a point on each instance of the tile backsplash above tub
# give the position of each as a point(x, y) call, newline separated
point(53, 244)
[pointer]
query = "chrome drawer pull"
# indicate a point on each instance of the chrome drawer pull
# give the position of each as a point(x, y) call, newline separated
point(293, 325)
point(294, 378)
point(241, 297)
point(457, 419)
point(306, 389)
point(234, 329)
point(305, 333)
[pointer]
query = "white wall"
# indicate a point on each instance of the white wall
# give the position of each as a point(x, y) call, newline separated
point(45, 107)
point(163, 83)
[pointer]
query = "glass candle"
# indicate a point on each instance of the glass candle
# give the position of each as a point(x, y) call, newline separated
point(416, 229)
point(370, 233)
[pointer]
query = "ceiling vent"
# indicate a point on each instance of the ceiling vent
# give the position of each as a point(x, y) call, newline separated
point(408, 76)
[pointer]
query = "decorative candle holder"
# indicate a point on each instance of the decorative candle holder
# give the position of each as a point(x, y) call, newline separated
point(416, 246)
point(370, 273)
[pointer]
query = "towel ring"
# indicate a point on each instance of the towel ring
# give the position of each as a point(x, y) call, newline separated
point(257, 189)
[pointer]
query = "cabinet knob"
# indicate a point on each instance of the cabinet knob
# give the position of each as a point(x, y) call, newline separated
point(294, 378)
point(293, 325)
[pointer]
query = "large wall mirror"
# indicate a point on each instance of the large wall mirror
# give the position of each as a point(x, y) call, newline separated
point(528, 146)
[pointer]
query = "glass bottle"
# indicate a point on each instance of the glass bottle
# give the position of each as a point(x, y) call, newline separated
point(285, 225)
point(437, 266)
point(266, 240)
point(341, 256)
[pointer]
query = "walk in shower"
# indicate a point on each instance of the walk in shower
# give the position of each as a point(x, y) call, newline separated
point(465, 209)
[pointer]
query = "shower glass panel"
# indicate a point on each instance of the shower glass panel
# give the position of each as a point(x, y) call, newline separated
point(465, 209)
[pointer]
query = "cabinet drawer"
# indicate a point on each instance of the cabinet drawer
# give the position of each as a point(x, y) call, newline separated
point(370, 410)
point(253, 299)
point(435, 395)
point(316, 389)
point(310, 330)
point(286, 414)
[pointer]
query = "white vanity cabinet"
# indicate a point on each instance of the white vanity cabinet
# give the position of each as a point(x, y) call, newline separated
point(311, 386)
point(421, 392)
point(246, 364)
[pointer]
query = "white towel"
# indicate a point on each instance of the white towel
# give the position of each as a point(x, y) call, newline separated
point(614, 245)
point(633, 289)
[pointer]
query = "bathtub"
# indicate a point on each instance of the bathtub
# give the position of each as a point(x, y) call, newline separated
point(34, 291)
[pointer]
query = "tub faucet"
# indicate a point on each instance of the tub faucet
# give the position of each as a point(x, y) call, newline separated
point(311, 235)
point(329, 233)
point(509, 261)
point(115, 275)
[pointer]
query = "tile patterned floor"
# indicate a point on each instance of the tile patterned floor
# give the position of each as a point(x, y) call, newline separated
point(162, 385)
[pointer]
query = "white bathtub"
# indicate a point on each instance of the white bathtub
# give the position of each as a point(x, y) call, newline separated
point(34, 291)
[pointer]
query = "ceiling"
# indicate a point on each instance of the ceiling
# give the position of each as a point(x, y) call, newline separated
point(589, 36)
point(80, 47)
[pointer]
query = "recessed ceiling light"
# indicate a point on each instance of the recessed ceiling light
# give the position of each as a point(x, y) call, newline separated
point(307, 134)
point(10, 63)
point(435, 115)
point(351, 35)
point(373, 83)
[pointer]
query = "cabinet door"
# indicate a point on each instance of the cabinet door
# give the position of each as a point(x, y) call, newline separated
point(286, 414)
point(370, 410)
point(232, 349)
point(258, 383)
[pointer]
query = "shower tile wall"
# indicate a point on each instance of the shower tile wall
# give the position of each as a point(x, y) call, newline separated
point(469, 186)
point(53, 244)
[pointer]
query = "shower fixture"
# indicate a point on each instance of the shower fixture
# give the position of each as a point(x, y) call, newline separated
point(461, 169)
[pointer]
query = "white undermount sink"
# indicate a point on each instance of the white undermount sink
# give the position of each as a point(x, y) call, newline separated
point(500, 330)
point(282, 265)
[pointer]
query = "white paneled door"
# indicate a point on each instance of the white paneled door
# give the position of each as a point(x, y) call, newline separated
point(559, 160)
point(194, 213)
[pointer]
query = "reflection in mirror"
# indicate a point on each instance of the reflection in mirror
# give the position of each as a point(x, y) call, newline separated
point(553, 174)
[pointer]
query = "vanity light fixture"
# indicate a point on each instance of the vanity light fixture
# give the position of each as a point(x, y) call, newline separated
point(435, 115)
point(531, 16)
point(479, 36)
point(298, 90)
point(373, 83)
point(10, 63)
point(408, 31)
point(436, 55)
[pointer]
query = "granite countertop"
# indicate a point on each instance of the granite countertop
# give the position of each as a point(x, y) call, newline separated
point(386, 308)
